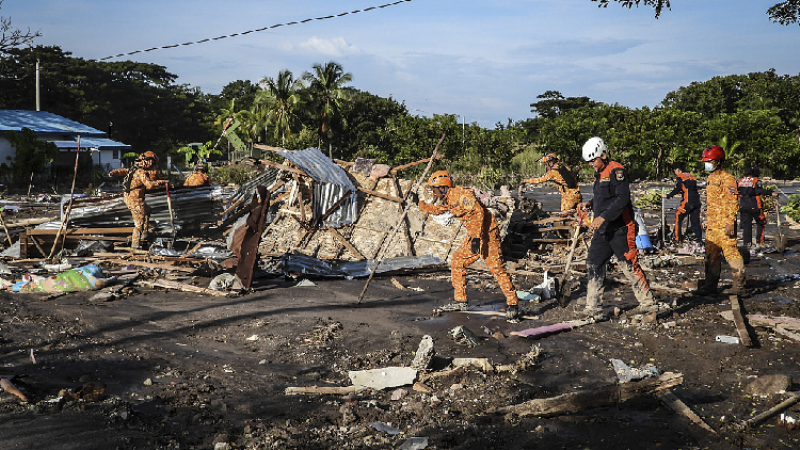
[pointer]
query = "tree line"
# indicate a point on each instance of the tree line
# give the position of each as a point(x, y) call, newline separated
point(754, 116)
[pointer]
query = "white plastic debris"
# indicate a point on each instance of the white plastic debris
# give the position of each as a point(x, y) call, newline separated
point(385, 427)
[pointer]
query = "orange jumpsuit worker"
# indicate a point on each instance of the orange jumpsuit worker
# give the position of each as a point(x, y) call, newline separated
point(138, 178)
point(722, 205)
point(564, 180)
point(751, 206)
point(198, 178)
point(484, 242)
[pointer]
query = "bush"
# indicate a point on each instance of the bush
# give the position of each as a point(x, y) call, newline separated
point(233, 175)
point(792, 209)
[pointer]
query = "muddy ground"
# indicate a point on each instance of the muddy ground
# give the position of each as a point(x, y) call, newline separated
point(161, 369)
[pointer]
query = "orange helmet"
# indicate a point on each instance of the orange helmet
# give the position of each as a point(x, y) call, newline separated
point(550, 157)
point(149, 155)
point(441, 178)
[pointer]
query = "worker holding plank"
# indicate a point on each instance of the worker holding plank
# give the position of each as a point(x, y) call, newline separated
point(614, 231)
point(484, 241)
point(563, 178)
point(722, 205)
point(138, 178)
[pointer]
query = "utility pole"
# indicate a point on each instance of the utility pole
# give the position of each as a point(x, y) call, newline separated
point(38, 103)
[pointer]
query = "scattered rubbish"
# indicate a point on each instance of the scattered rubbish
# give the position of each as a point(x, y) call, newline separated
point(626, 373)
point(789, 421)
point(482, 364)
point(323, 390)
point(385, 427)
point(252, 338)
point(90, 392)
point(414, 443)
point(305, 282)
point(33, 358)
point(398, 285)
point(9, 387)
point(728, 339)
point(387, 377)
point(398, 394)
point(547, 329)
point(527, 296)
point(81, 279)
point(225, 282)
point(425, 353)
point(464, 336)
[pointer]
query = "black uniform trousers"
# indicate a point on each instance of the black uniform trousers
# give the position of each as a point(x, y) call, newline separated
point(748, 215)
point(693, 213)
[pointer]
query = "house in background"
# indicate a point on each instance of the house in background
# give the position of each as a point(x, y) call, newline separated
point(64, 133)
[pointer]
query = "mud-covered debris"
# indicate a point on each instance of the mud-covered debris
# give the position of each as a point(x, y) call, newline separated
point(424, 355)
point(767, 385)
point(789, 421)
point(464, 336)
point(414, 443)
point(387, 377)
point(482, 364)
point(385, 427)
point(627, 373)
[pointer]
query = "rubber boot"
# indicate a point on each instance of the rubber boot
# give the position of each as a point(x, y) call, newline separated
point(738, 275)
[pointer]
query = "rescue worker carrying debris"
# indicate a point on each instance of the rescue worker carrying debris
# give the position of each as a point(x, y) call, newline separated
point(563, 178)
point(751, 206)
point(686, 185)
point(614, 232)
point(138, 178)
point(483, 242)
point(199, 177)
point(721, 206)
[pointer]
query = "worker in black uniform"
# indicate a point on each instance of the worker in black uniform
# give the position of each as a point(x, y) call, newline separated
point(686, 185)
point(614, 231)
point(751, 208)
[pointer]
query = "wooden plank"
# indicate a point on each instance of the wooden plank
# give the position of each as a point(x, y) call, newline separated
point(123, 262)
point(406, 166)
point(182, 287)
point(350, 247)
point(81, 231)
point(323, 390)
point(547, 329)
point(573, 402)
point(381, 195)
point(289, 169)
point(675, 404)
point(739, 320)
point(746, 425)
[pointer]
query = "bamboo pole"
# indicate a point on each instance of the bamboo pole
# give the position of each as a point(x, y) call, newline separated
point(69, 205)
point(402, 216)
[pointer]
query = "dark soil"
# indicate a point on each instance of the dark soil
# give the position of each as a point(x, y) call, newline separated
point(174, 370)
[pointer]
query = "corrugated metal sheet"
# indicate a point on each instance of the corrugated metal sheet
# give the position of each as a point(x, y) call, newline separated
point(43, 122)
point(300, 263)
point(332, 184)
point(191, 207)
point(92, 142)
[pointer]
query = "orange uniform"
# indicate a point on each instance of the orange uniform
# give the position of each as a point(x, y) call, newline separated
point(137, 180)
point(565, 182)
point(479, 223)
point(722, 206)
point(197, 179)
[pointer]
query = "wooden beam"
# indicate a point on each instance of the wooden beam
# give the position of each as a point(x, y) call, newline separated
point(321, 390)
point(350, 247)
point(381, 195)
point(573, 402)
point(80, 231)
point(182, 287)
point(406, 166)
point(123, 262)
point(290, 169)
point(674, 403)
point(739, 320)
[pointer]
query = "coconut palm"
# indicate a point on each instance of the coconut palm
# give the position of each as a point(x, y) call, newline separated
point(280, 99)
point(326, 89)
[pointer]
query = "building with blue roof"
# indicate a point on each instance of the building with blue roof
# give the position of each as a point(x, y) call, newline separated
point(63, 133)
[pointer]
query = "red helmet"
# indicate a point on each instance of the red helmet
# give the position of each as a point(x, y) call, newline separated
point(441, 178)
point(714, 153)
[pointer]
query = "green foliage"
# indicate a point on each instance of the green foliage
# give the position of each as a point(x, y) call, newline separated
point(785, 13)
point(650, 199)
point(792, 209)
point(233, 175)
point(32, 156)
point(200, 152)
point(768, 201)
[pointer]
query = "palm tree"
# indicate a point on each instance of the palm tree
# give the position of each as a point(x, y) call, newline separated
point(326, 88)
point(280, 99)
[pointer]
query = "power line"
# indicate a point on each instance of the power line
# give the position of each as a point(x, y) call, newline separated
point(202, 41)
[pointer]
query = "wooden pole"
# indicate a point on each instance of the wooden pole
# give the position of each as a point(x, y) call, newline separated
point(69, 205)
point(8, 235)
point(402, 216)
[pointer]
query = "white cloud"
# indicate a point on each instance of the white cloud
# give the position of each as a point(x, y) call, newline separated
point(335, 47)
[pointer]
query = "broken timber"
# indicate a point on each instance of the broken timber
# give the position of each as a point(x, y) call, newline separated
point(586, 399)
point(747, 424)
point(674, 403)
point(322, 390)
point(547, 329)
point(739, 320)
point(182, 287)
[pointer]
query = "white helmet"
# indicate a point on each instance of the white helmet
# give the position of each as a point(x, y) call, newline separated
point(594, 148)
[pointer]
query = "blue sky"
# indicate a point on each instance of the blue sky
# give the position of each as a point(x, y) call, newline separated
point(484, 60)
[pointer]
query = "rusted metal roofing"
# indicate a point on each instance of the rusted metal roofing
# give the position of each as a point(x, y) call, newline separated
point(332, 184)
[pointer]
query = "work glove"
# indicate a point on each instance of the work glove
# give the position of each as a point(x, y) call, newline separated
point(475, 245)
